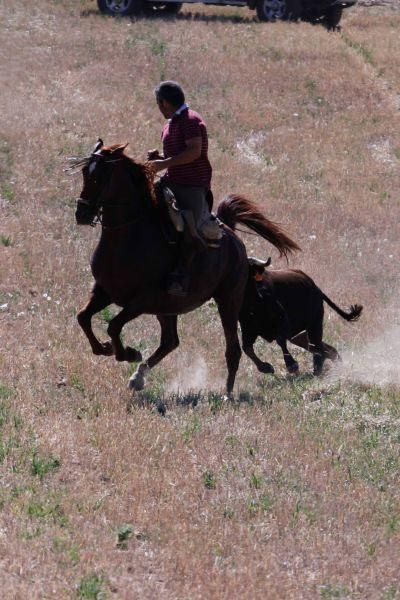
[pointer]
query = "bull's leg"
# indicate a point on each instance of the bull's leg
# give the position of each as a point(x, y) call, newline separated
point(316, 345)
point(169, 341)
point(291, 364)
point(330, 352)
point(301, 340)
point(247, 345)
point(98, 300)
point(229, 317)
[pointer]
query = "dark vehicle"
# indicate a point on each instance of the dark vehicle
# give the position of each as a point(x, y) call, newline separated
point(328, 12)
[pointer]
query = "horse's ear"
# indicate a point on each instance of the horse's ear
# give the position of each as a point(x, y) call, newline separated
point(119, 149)
point(99, 144)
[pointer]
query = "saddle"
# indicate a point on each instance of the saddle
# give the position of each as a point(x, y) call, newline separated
point(174, 220)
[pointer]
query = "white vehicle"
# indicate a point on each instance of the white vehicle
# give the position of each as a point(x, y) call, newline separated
point(328, 12)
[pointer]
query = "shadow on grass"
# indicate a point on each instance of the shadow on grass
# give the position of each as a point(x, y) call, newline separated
point(216, 400)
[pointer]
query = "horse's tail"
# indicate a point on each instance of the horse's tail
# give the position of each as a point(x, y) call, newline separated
point(354, 311)
point(237, 209)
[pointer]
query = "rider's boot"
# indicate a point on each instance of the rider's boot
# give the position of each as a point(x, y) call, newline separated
point(179, 279)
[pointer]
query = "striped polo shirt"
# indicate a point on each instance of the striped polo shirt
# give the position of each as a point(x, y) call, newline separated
point(184, 125)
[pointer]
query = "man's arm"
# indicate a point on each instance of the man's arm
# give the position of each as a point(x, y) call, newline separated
point(191, 153)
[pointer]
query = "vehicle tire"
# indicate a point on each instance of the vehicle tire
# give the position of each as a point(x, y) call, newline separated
point(333, 16)
point(120, 8)
point(169, 8)
point(279, 10)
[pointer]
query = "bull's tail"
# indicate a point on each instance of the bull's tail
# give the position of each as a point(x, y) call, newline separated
point(354, 311)
point(237, 209)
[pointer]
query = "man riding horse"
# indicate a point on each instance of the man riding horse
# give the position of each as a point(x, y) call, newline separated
point(188, 176)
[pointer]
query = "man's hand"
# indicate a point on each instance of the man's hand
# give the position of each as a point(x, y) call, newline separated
point(154, 155)
point(191, 153)
point(159, 165)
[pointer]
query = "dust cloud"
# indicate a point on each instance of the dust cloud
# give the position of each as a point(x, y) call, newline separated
point(376, 363)
point(192, 374)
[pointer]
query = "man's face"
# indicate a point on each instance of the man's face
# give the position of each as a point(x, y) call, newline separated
point(166, 109)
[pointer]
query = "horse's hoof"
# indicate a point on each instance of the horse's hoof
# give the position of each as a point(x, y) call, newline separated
point(132, 355)
point(266, 368)
point(293, 368)
point(228, 397)
point(137, 380)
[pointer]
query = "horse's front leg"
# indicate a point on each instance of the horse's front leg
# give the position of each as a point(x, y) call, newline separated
point(168, 342)
point(98, 300)
point(229, 314)
point(121, 352)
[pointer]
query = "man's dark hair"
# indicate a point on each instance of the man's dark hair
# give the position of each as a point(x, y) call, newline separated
point(171, 92)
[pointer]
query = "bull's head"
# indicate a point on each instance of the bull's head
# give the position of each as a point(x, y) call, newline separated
point(257, 267)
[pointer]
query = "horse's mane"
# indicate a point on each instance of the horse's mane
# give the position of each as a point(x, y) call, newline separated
point(142, 173)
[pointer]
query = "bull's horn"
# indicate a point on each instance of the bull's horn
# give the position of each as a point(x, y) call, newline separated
point(252, 260)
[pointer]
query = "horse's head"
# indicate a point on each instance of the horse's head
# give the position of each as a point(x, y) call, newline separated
point(97, 170)
point(109, 176)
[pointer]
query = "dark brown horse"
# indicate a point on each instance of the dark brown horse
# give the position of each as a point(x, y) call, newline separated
point(133, 259)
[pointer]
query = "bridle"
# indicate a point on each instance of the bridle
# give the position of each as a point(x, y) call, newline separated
point(98, 206)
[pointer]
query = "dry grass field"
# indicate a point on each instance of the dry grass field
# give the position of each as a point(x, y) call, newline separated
point(290, 492)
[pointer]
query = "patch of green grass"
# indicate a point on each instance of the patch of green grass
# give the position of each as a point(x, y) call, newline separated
point(91, 587)
point(6, 240)
point(49, 511)
point(158, 47)
point(42, 465)
point(5, 412)
point(7, 192)
point(273, 54)
point(70, 551)
point(331, 590)
point(5, 393)
point(124, 532)
point(391, 592)
point(209, 480)
point(261, 504)
point(215, 402)
point(255, 481)
point(107, 314)
point(76, 383)
point(26, 258)
point(191, 428)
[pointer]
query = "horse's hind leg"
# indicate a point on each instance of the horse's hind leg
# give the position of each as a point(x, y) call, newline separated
point(168, 342)
point(98, 301)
